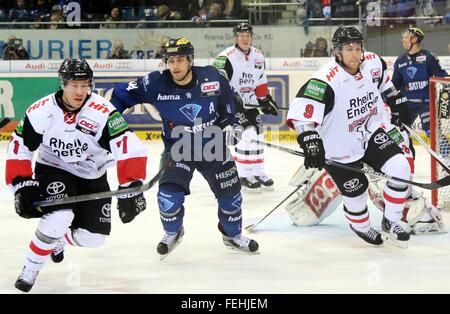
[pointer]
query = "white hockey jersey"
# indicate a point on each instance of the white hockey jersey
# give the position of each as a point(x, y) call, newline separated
point(246, 72)
point(84, 142)
point(347, 109)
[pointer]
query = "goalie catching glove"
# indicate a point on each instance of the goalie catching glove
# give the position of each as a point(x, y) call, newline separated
point(132, 204)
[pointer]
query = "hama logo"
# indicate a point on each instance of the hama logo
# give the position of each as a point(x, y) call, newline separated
point(210, 87)
point(191, 111)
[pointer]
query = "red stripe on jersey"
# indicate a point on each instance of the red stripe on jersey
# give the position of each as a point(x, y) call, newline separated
point(38, 250)
point(131, 169)
point(395, 200)
point(290, 123)
point(17, 168)
point(245, 161)
point(261, 90)
point(358, 221)
point(67, 238)
point(411, 164)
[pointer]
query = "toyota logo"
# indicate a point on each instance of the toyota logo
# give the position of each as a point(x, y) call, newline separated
point(53, 65)
point(381, 138)
point(351, 184)
point(55, 188)
point(106, 210)
point(123, 65)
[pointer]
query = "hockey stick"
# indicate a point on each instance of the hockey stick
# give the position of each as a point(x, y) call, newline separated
point(253, 226)
point(438, 158)
point(4, 122)
point(429, 186)
point(99, 195)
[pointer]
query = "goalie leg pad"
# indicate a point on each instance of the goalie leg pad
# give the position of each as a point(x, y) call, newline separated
point(315, 200)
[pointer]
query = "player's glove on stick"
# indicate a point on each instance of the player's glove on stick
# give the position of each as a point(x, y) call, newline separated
point(399, 109)
point(27, 192)
point(132, 204)
point(268, 105)
point(312, 146)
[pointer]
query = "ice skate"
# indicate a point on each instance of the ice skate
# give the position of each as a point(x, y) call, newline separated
point(250, 184)
point(266, 182)
point(26, 280)
point(372, 236)
point(394, 234)
point(169, 242)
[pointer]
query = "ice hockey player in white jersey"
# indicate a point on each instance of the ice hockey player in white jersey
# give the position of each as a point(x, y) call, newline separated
point(245, 68)
point(319, 197)
point(339, 113)
point(78, 135)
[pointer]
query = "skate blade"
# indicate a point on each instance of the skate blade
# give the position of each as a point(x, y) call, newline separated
point(233, 249)
point(389, 239)
point(427, 232)
point(268, 188)
point(251, 191)
point(163, 257)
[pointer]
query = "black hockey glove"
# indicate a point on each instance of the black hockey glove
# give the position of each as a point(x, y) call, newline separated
point(312, 146)
point(27, 192)
point(268, 105)
point(132, 204)
point(399, 109)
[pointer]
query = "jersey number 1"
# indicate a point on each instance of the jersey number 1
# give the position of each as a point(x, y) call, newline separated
point(124, 146)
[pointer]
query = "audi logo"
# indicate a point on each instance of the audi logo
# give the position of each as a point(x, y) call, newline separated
point(53, 65)
point(55, 188)
point(351, 184)
point(123, 65)
point(381, 138)
point(106, 210)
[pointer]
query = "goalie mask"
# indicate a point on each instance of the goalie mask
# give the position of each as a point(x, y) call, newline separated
point(317, 199)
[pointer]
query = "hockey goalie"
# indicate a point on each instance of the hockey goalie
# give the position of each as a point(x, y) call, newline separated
point(318, 196)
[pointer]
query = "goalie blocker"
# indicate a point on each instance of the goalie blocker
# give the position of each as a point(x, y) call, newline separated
point(319, 197)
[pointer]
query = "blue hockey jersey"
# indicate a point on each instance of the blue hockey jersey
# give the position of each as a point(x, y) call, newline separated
point(412, 74)
point(206, 101)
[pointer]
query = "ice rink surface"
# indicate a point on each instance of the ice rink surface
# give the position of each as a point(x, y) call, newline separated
point(328, 258)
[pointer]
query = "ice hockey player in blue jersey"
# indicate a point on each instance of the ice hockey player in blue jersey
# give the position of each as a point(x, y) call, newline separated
point(194, 103)
point(412, 71)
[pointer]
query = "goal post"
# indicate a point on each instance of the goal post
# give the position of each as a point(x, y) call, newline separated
point(440, 136)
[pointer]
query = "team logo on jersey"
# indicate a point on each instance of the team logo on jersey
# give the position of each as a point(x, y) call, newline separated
point(70, 117)
point(164, 204)
point(191, 111)
point(56, 187)
point(188, 95)
point(87, 126)
point(411, 71)
point(210, 88)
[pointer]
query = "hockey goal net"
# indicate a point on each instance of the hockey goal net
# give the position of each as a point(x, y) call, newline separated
point(440, 136)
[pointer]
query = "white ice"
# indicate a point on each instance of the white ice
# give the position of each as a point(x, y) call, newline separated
point(328, 258)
